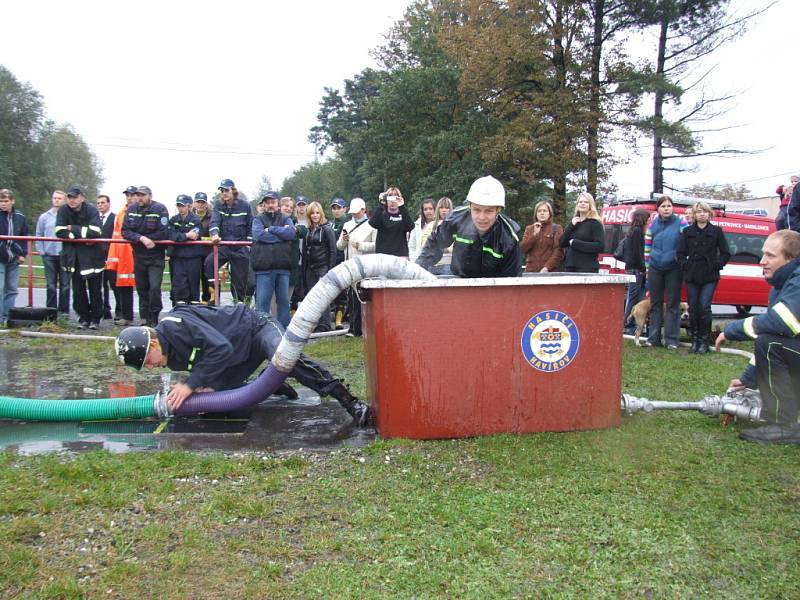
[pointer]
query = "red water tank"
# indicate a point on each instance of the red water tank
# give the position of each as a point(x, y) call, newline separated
point(464, 357)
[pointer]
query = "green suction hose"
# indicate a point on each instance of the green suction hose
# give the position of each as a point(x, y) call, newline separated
point(100, 409)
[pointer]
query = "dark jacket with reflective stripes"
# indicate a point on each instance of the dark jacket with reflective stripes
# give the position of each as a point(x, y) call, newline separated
point(232, 223)
point(151, 221)
point(207, 340)
point(178, 228)
point(87, 259)
point(494, 254)
point(782, 317)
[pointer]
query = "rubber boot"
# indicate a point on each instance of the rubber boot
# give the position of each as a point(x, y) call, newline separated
point(339, 318)
point(704, 334)
point(695, 333)
point(286, 391)
point(361, 412)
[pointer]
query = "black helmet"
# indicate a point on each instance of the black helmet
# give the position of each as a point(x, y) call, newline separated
point(131, 346)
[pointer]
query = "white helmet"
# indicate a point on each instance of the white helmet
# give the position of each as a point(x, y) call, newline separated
point(487, 191)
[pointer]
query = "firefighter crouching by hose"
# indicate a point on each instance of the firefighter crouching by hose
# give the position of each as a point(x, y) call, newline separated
point(220, 348)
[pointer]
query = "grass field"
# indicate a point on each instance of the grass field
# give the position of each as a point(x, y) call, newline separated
point(669, 505)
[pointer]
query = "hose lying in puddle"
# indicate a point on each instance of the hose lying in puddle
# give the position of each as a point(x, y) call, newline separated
point(297, 334)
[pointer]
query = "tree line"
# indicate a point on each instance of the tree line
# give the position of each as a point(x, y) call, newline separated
point(38, 156)
point(536, 92)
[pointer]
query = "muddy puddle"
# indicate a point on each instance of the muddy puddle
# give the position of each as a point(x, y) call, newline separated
point(48, 369)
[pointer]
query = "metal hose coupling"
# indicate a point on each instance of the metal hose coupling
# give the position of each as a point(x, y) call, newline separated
point(743, 405)
point(160, 407)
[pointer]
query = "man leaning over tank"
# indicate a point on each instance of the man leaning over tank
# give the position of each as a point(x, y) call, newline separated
point(485, 242)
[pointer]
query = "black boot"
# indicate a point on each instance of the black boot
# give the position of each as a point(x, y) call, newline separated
point(704, 332)
point(287, 391)
point(695, 335)
point(361, 412)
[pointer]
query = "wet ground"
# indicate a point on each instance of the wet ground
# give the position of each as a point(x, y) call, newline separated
point(54, 369)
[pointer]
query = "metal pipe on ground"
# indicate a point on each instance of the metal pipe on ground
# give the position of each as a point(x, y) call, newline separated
point(744, 405)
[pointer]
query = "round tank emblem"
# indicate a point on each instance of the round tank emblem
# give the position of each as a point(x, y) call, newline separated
point(550, 341)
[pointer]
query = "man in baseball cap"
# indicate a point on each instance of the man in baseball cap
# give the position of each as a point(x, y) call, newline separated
point(79, 220)
point(231, 221)
point(339, 210)
point(147, 221)
point(185, 261)
point(200, 208)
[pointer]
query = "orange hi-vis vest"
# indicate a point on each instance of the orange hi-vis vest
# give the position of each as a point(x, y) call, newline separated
point(120, 256)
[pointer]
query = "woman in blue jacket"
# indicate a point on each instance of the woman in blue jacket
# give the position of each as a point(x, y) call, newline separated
point(663, 273)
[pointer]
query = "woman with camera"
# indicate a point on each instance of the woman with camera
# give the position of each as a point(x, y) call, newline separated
point(393, 223)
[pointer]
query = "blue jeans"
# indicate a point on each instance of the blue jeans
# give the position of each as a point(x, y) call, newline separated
point(665, 286)
point(635, 291)
point(273, 282)
point(9, 282)
point(700, 295)
point(58, 283)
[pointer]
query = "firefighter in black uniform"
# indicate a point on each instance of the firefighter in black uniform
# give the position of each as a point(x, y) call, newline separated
point(200, 208)
point(231, 222)
point(220, 347)
point(85, 262)
point(185, 262)
point(340, 217)
point(485, 242)
point(147, 221)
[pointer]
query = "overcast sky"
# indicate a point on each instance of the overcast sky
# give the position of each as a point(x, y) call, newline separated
point(178, 95)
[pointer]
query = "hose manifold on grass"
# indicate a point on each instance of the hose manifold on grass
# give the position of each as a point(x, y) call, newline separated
point(743, 405)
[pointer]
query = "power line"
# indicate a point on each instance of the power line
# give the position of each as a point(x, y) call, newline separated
point(206, 151)
point(765, 178)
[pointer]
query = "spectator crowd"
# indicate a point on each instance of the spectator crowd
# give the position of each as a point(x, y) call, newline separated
point(279, 253)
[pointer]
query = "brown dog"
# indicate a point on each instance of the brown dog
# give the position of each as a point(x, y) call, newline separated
point(641, 312)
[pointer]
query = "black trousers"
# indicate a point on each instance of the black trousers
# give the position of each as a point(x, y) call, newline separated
point(149, 272)
point(354, 310)
point(778, 372)
point(58, 283)
point(124, 294)
point(185, 276)
point(87, 297)
point(109, 285)
point(306, 371)
point(205, 283)
point(239, 259)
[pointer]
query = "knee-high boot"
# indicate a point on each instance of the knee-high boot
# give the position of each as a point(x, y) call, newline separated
point(694, 330)
point(704, 334)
